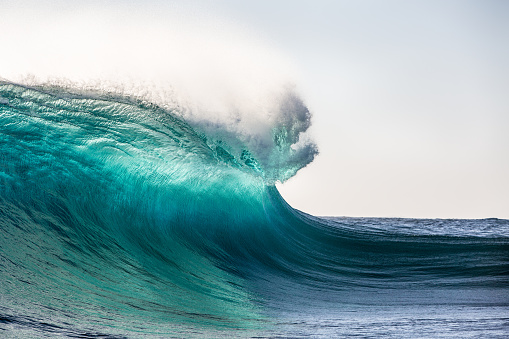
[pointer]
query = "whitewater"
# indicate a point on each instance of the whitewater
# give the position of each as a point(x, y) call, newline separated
point(123, 218)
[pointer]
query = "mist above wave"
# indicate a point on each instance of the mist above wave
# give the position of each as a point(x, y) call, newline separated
point(221, 78)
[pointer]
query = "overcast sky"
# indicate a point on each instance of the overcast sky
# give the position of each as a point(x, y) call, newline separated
point(410, 99)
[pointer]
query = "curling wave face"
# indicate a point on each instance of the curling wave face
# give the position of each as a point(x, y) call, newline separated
point(119, 217)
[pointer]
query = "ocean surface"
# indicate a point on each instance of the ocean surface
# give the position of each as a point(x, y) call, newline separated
point(121, 219)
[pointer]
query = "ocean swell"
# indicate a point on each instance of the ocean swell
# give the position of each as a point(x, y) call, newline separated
point(120, 217)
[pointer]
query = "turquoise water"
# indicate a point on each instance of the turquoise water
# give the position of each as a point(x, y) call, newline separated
point(120, 219)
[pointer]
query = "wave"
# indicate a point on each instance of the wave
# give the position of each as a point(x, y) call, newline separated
point(120, 216)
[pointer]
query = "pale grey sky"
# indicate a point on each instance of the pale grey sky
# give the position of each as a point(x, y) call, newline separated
point(410, 103)
point(410, 98)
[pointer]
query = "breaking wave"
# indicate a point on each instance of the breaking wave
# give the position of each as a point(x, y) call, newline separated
point(122, 217)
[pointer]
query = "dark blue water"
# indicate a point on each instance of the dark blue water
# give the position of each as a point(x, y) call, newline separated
point(120, 219)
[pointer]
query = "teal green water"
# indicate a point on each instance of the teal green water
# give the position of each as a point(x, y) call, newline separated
point(120, 218)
